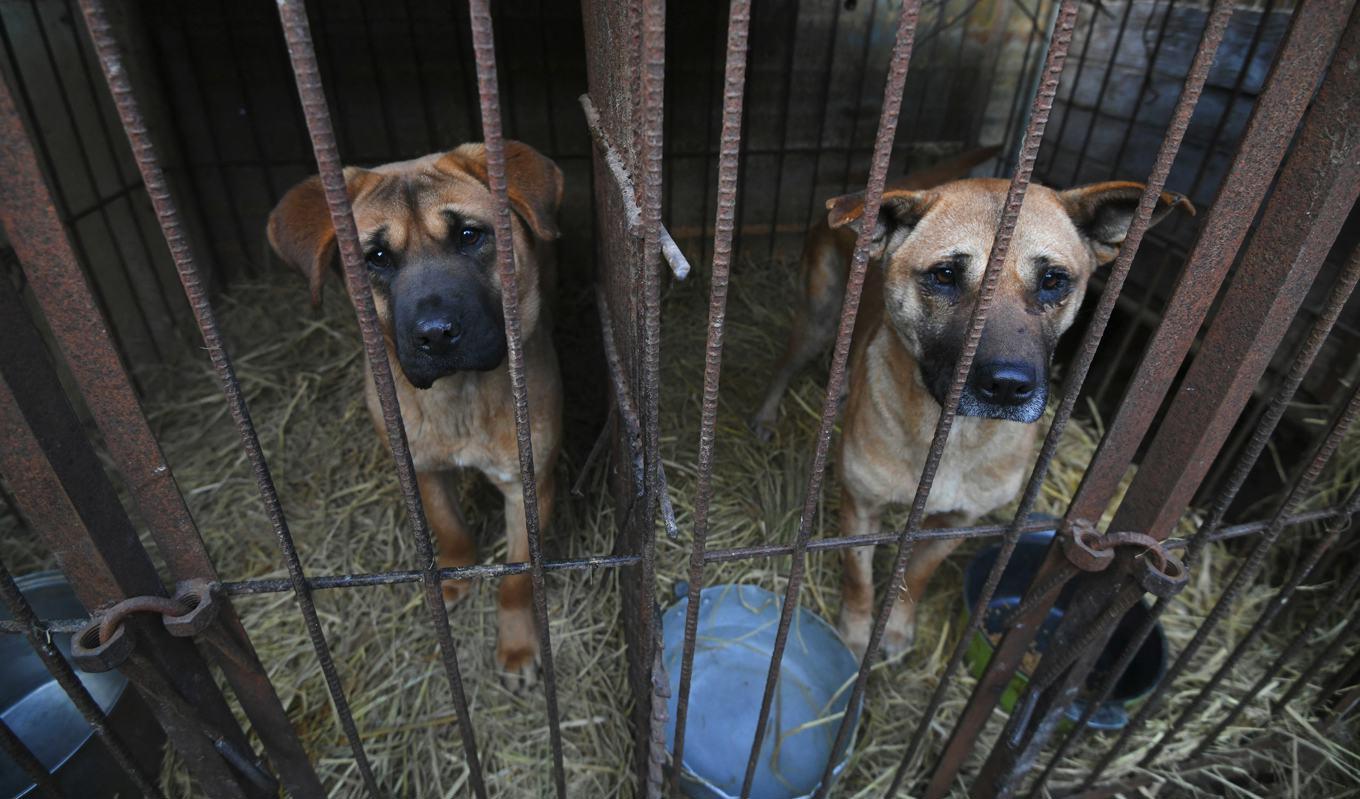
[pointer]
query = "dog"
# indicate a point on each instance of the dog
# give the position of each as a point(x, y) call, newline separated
point(928, 250)
point(426, 226)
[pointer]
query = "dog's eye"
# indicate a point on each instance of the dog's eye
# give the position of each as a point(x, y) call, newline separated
point(379, 259)
point(469, 237)
point(943, 275)
point(1054, 281)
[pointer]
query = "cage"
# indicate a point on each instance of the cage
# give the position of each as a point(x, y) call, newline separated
point(1204, 396)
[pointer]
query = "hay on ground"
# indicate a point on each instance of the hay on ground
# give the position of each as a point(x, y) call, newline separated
point(301, 372)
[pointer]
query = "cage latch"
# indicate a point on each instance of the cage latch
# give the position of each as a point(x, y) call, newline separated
point(105, 644)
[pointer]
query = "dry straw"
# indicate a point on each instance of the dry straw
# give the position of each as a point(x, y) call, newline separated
point(301, 373)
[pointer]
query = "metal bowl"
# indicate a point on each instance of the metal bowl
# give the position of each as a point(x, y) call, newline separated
point(737, 625)
point(1143, 674)
point(37, 709)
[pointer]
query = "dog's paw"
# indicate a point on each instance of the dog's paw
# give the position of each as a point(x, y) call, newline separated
point(854, 630)
point(518, 666)
point(763, 428)
point(517, 649)
point(900, 634)
point(455, 591)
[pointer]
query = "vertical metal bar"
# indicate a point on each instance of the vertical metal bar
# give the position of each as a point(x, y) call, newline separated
point(790, 36)
point(813, 203)
point(13, 746)
point(293, 15)
point(873, 196)
point(1242, 467)
point(1076, 85)
point(40, 639)
point(866, 48)
point(190, 65)
point(62, 293)
point(1100, 93)
point(971, 722)
point(299, 776)
point(650, 119)
point(738, 26)
point(483, 38)
point(137, 286)
point(1143, 89)
point(1241, 578)
point(1315, 29)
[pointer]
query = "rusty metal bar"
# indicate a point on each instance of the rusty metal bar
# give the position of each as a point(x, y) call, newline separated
point(618, 171)
point(483, 46)
point(959, 744)
point(649, 102)
point(113, 403)
point(1211, 529)
point(40, 638)
point(14, 746)
point(1315, 28)
point(1313, 34)
point(61, 489)
point(1326, 656)
point(293, 16)
point(1296, 645)
point(1319, 182)
point(887, 131)
point(738, 28)
point(1241, 578)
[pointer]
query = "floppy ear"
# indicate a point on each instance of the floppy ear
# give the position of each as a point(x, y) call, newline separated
point(1103, 212)
point(900, 211)
point(300, 229)
point(533, 182)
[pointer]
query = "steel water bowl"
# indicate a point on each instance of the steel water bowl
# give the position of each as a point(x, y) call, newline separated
point(737, 625)
point(1142, 675)
point(35, 707)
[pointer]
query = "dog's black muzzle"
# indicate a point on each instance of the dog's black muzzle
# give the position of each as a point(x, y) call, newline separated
point(445, 320)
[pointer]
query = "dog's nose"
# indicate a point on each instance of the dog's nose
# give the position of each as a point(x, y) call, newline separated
point(1005, 383)
point(436, 335)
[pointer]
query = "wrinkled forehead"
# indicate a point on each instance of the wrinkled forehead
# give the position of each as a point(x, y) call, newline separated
point(967, 215)
point(411, 198)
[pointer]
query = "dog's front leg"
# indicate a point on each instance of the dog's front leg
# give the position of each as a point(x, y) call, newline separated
point(517, 637)
point(900, 633)
point(858, 517)
point(454, 545)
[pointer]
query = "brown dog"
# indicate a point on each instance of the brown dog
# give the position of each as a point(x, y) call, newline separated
point(928, 251)
point(426, 228)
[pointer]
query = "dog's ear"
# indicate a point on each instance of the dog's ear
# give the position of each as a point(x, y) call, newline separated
point(900, 210)
point(533, 182)
point(1103, 212)
point(300, 229)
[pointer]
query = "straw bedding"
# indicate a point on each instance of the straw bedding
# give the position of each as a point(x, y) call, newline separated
point(301, 371)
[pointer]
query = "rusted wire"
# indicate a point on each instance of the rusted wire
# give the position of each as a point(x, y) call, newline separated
point(293, 15)
point(483, 46)
point(873, 196)
point(739, 21)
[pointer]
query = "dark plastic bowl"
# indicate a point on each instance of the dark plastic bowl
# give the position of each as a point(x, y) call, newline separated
point(1143, 674)
point(737, 624)
point(37, 709)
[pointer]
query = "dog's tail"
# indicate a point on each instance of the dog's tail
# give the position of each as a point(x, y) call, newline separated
point(945, 171)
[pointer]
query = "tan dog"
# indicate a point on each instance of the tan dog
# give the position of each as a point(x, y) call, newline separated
point(426, 229)
point(929, 249)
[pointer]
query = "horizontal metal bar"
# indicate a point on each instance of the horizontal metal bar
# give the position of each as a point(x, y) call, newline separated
point(619, 172)
point(277, 585)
